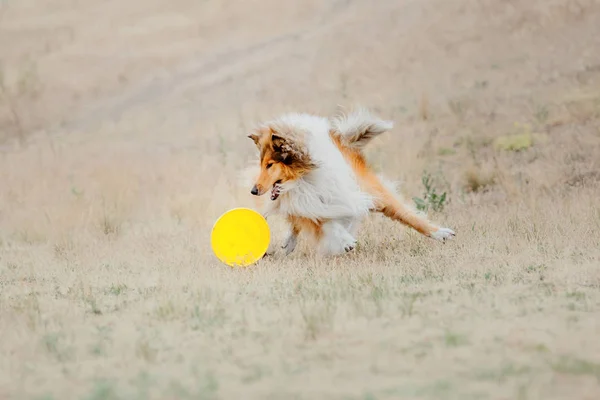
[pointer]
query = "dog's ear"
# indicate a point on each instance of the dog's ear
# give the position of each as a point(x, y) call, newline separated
point(288, 152)
point(278, 142)
point(254, 138)
point(283, 150)
point(283, 157)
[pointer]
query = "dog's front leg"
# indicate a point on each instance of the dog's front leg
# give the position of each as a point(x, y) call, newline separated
point(266, 212)
point(290, 242)
point(336, 239)
point(292, 238)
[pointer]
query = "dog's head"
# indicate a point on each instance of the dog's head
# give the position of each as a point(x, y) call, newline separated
point(282, 160)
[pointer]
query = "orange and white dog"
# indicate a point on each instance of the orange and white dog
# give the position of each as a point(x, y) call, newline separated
point(319, 180)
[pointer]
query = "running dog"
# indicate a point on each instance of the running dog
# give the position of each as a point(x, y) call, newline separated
point(318, 178)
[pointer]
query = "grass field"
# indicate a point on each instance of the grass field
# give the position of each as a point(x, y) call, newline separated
point(122, 128)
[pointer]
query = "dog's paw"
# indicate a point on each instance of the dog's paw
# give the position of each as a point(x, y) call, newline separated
point(338, 245)
point(336, 240)
point(350, 246)
point(270, 250)
point(290, 244)
point(443, 234)
point(347, 243)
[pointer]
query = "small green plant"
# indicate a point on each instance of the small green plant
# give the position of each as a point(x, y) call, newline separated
point(165, 311)
point(116, 290)
point(54, 343)
point(146, 351)
point(522, 139)
point(541, 114)
point(446, 151)
point(408, 305)
point(452, 339)
point(90, 300)
point(103, 390)
point(431, 199)
point(459, 107)
point(575, 366)
point(516, 142)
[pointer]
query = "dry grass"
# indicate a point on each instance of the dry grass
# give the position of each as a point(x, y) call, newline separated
point(108, 287)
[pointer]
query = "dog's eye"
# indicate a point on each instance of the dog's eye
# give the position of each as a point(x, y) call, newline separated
point(269, 165)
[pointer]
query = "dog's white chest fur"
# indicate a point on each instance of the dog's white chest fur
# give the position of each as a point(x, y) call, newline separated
point(318, 198)
point(331, 191)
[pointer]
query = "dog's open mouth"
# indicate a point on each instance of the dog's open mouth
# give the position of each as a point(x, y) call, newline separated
point(276, 191)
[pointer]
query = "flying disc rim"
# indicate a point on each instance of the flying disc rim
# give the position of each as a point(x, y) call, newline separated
point(249, 260)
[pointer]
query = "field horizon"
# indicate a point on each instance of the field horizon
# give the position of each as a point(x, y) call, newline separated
point(123, 138)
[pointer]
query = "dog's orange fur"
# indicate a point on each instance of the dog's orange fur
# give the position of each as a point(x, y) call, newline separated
point(302, 224)
point(385, 202)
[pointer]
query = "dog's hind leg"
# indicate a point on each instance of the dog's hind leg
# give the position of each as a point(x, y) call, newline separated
point(393, 208)
point(389, 205)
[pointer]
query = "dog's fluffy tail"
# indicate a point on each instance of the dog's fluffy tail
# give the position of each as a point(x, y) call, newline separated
point(357, 128)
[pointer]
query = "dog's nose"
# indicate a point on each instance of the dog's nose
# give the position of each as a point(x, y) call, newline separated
point(254, 191)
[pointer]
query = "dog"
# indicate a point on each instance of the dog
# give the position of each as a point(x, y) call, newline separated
point(317, 177)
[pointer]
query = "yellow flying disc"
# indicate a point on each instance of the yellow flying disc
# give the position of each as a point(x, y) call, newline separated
point(240, 237)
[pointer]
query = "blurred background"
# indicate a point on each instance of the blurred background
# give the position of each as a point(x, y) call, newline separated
point(162, 93)
point(123, 135)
